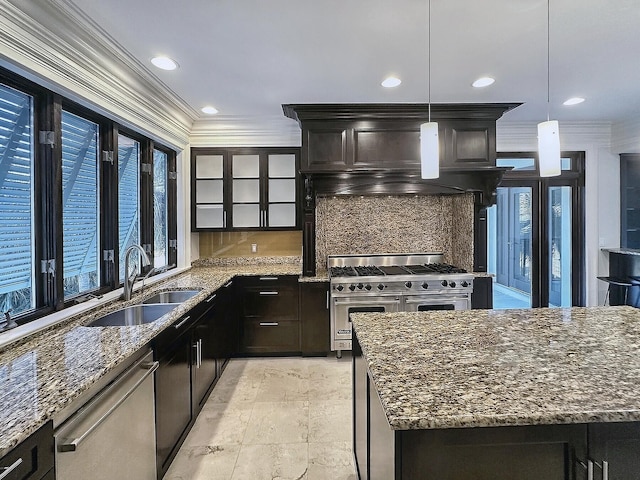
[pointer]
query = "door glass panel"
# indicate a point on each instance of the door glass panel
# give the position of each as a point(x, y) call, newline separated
point(509, 226)
point(209, 166)
point(559, 242)
point(282, 190)
point(246, 166)
point(246, 191)
point(282, 166)
point(160, 209)
point(209, 216)
point(246, 216)
point(282, 215)
point(209, 191)
point(517, 163)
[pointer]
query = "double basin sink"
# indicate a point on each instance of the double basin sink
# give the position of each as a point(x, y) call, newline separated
point(148, 311)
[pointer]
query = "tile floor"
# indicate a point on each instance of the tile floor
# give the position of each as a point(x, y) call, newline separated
point(273, 418)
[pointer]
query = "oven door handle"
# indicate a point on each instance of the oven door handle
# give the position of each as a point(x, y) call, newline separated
point(369, 301)
point(435, 299)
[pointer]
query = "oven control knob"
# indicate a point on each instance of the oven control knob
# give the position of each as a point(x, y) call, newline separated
point(360, 286)
point(340, 288)
point(444, 283)
point(352, 287)
point(452, 284)
point(407, 284)
point(367, 286)
point(380, 286)
point(465, 283)
point(425, 285)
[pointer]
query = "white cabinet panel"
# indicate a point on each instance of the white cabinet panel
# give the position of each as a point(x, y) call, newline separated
point(282, 190)
point(209, 166)
point(245, 166)
point(209, 191)
point(246, 216)
point(282, 215)
point(282, 166)
point(209, 216)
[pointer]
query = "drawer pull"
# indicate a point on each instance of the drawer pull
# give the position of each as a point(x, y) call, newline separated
point(210, 299)
point(7, 470)
point(269, 293)
point(268, 324)
point(268, 278)
point(186, 319)
point(228, 284)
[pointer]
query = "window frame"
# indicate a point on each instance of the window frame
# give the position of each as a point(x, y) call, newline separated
point(47, 196)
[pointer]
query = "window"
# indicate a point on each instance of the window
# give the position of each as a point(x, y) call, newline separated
point(160, 214)
point(75, 193)
point(128, 196)
point(80, 205)
point(17, 252)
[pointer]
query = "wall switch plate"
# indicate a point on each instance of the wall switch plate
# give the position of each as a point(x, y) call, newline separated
point(254, 248)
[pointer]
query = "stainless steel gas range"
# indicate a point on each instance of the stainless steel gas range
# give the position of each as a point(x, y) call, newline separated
point(410, 282)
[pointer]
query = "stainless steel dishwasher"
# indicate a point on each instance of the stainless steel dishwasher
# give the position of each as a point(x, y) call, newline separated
point(113, 434)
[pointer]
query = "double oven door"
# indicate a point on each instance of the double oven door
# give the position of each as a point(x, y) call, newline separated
point(343, 307)
point(424, 303)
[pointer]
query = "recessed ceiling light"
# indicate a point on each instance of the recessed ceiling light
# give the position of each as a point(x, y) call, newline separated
point(210, 110)
point(574, 101)
point(391, 82)
point(483, 82)
point(165, 63)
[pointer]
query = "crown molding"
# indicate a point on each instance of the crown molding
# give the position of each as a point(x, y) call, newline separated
point(244, 131)
point(625, 137)
point(54, 44)
point(518, 136)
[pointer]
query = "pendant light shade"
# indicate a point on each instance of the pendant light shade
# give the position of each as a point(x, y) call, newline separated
point(549, 148)
point(429, 150)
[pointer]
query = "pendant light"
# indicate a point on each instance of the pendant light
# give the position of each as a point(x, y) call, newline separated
point(549, 131)
point(429, 146)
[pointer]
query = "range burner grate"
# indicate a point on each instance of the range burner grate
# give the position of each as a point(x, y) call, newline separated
point(365, 271)
point(343, 272)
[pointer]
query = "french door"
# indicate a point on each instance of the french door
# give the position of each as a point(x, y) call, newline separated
point(535, 239)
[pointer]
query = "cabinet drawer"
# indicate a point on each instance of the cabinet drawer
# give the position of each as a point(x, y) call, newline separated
point(32, 458)
point(276, 302)
point(271, 336)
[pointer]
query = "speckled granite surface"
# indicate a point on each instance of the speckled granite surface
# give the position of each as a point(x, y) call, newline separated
point(45, 373)
point(623, 251)
point(396, 224)
point(481, 368)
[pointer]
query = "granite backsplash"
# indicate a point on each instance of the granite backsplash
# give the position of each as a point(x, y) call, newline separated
point(396, 224)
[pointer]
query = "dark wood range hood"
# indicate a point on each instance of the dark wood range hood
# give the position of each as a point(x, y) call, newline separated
point(374, 149)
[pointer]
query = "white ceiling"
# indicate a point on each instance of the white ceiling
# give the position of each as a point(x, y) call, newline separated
point(247, 57)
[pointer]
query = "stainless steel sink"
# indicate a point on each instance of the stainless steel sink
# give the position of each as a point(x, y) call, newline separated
point(134, 315)
point(173, 296)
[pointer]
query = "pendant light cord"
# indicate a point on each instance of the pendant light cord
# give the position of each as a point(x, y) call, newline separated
point(429, 60)
point(548, 58)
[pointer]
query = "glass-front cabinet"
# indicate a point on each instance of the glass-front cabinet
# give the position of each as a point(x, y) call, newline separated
point(243, 189)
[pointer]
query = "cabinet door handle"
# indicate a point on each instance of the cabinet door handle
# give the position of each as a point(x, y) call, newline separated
point(210, 299)
point(589, 467)
point(196, 346)
point(269, 293)
point(224, 219)
point(228, 284)
point(7, 470)
point(268, 278)
point(185, 320)
point(327, 299)
point(200, 353)
point(605, 469)
point(268, 324)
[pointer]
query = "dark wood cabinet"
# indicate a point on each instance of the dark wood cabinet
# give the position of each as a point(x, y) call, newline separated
point(173, 392)
point(32, 459)
point(315, 328)
point(630, 201)
point(206, 352)
point(269, 306)
point(482, 296)
point(245, 188)
point(616, 448)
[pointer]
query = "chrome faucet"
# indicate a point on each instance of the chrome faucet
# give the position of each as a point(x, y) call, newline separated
point(129, 280)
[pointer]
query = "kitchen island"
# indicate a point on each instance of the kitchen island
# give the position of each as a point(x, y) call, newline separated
point(527, 394)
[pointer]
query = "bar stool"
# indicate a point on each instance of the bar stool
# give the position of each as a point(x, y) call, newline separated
point(621, 282)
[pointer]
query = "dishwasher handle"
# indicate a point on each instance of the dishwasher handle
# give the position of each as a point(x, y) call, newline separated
point(73, 444)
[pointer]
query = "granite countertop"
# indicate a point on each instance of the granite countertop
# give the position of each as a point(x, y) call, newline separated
point(623, 251)
point(479, 368)
point(42, 374)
